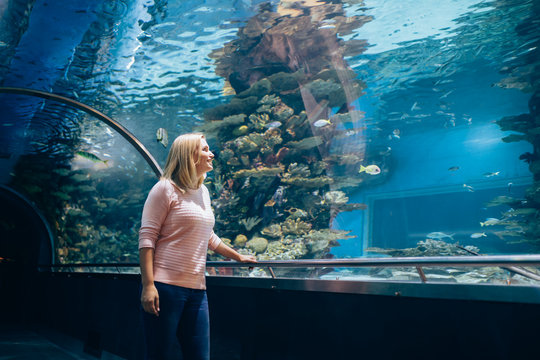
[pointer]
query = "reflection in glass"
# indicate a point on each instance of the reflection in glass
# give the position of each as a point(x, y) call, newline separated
point(388, 129)
point(89, 191)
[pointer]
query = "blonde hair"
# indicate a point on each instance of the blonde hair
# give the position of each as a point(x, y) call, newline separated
point(182, 160)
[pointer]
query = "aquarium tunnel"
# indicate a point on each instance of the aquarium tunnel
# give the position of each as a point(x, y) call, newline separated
point(379, 158)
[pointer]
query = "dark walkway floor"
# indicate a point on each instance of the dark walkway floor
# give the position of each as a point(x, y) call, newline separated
point(18, 343)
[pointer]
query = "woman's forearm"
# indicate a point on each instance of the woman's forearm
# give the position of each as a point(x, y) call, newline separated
point(146, 259)
point(228, 252)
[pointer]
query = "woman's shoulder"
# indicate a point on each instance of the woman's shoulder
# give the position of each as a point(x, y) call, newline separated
point(163, 186)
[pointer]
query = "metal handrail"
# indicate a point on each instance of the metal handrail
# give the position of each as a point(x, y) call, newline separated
point(99, 115)
point(431, 261)
point(506, 262)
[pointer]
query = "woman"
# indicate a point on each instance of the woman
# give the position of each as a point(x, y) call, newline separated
point(176, 232)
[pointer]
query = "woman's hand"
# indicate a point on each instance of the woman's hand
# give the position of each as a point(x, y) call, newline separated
point(247, 258)
point(230, 253)
point(150, 299)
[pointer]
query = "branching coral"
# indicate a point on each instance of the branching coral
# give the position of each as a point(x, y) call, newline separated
point(296, 227)
point(297, 170)
point(259, 172)
point(330, 235)
point(258, 121)
point(250, 223)
point(285, 249)
point(273, 231)
point(335, 198)
point(245, 144)
point(316, 182)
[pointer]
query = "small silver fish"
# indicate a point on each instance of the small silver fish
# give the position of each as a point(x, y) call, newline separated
point(437, 235)
point(478, 235)
point(491, 174)
point(490, 221)
point(453, 168)
point(273, 124)
point(162, 136)
point(322, 123)
point(468, 187)
point(446, 94)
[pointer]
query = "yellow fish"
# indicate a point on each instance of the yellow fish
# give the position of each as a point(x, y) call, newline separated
point(321, 123)
point(370, 169)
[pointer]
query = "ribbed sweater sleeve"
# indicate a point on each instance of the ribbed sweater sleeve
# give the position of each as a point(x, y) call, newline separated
point(214, 241)
point(154, 214)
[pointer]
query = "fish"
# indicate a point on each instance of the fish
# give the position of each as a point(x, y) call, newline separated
point(453, 168)
point(524, 211)
point(500, 200)
point(162, 137)
point(351, 133)
point(478, 235)
point(370, 169)
point(446, 94)
point(90, 156)
point(270, 203)
point(277, 198)
point(490, 221)
point(478, 50)
point(396, 133)
point(273, 124)
point(439, 235)
point(491, 174)
point(321, 123)
point(502, 234)
point(468, 187)
point(414, 106)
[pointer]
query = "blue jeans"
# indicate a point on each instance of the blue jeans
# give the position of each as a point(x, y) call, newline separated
point(182, 327)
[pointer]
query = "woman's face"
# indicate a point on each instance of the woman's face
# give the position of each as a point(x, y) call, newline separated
point(205, 159)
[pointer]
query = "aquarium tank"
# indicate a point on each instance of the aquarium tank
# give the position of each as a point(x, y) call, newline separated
point(341, 129)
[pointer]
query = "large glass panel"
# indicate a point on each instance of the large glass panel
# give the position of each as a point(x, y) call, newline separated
point(342, 129)
point(85, 178)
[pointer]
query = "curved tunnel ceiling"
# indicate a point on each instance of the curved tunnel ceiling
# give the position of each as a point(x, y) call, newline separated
point(95, 113)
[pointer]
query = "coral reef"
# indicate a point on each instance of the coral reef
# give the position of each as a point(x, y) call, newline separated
point(83, 206)
point(257, 244)
point(287, 73)
point(522, 219)
point(428, 247)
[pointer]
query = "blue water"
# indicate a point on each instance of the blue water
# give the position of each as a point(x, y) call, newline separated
point(437, 76)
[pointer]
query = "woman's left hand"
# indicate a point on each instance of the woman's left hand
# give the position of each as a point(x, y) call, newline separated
point(247, 258)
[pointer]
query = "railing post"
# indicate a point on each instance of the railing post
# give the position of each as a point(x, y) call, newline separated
point(421, 273)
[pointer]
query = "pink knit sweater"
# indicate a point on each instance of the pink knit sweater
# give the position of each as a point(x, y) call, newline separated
point(180, 229)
